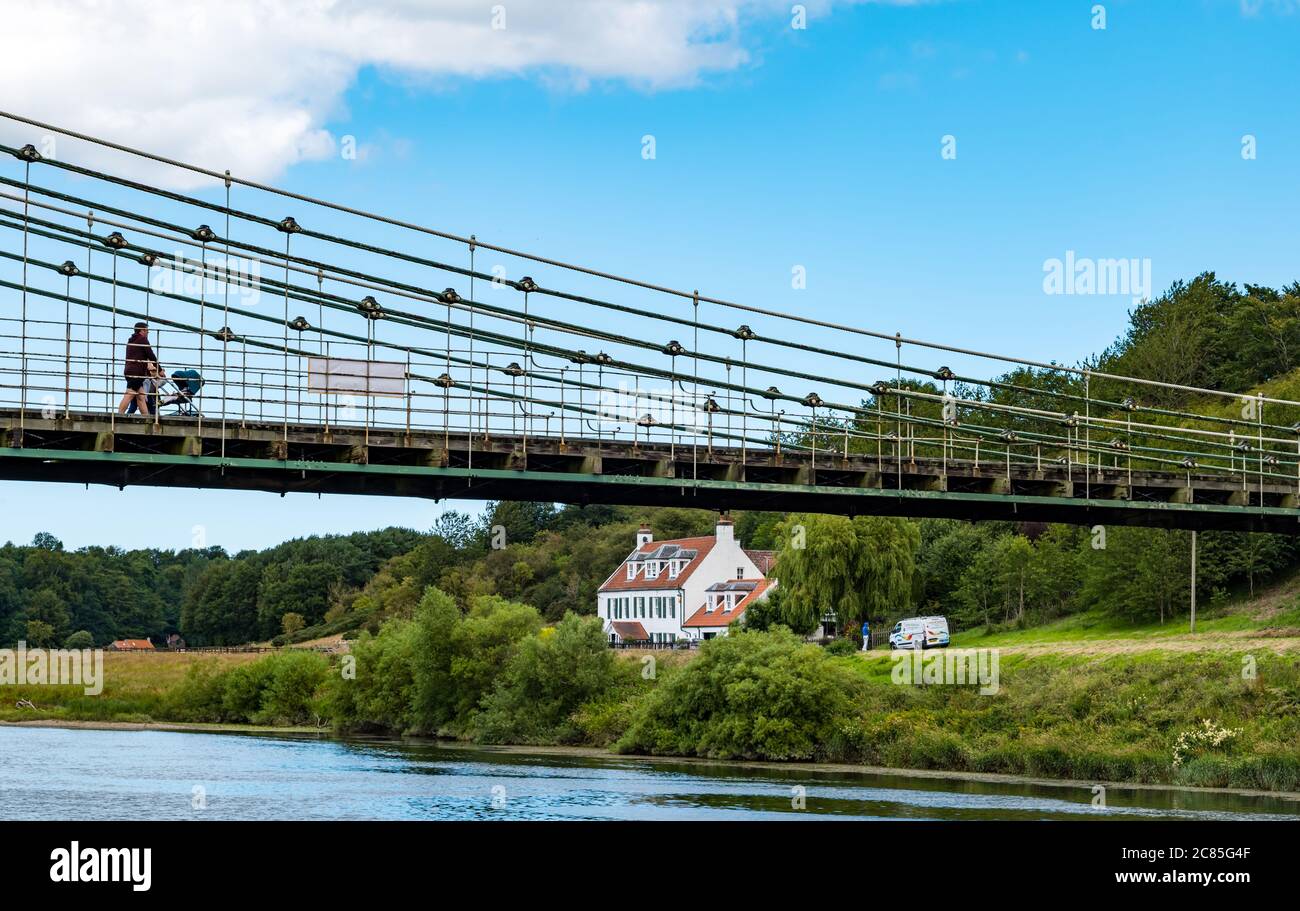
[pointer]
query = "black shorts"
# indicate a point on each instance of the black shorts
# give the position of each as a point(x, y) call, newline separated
point(135, 383)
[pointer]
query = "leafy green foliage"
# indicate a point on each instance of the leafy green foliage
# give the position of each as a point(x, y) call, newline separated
point(377, 693)
point(280, 689)
point(239, 600)
point(752, 695)
point(81, 639)
point(841, 647)
point(298, 588)
point(549, 678)
point(856, 568)
point(457, 658)
point(1209, 333)
point(108, 592)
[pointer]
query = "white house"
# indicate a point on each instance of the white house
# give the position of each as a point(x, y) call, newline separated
point(726, 603)
point(662, 586)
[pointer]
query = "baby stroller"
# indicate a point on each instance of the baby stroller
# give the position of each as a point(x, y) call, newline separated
point(185, 385)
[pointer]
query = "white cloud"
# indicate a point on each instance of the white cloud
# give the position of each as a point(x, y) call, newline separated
point(250, 84)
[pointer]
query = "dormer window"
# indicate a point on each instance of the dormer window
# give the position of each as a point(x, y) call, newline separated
point(631, 571)
point(652, 570)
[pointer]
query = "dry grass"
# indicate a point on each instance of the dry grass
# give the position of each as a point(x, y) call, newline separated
point(134, 686)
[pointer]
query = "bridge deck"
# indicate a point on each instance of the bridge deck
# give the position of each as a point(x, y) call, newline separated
point(193, 452)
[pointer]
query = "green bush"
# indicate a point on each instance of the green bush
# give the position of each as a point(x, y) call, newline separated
point(242, 689)
point(290, 693)
point(376, 693)
point(81, 639)
point(601, 722)
point(760, 695)
point(545, 683)
point(841, 647)
point(198, 697)
point(278, 689)
point(457, 658)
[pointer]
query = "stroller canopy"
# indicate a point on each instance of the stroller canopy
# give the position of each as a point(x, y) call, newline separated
point(189, 380)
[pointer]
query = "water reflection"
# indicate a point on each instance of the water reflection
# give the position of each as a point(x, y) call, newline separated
point(49, 773)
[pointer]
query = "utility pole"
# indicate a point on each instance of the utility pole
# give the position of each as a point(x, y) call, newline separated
point(1193, 580)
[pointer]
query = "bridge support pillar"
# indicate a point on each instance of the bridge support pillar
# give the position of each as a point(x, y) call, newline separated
point(1290, 501)
point(103, 442)
point(357, 455)
point(592, 464)
point(735, 473)
point(1182, 495)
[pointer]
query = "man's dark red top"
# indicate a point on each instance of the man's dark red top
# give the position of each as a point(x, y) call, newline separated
point(138, 355)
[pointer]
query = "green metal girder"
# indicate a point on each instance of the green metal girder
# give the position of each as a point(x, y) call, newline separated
point(468, 474)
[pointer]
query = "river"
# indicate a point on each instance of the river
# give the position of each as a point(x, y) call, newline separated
point(54, 773)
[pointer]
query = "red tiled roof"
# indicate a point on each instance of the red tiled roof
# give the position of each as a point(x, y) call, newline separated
point(619, 582)
point(763, 559)
point(630, 631)
point(723, 617)
point(123, 645)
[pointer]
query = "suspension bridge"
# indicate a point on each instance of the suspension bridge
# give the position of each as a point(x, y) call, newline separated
point(342, 351)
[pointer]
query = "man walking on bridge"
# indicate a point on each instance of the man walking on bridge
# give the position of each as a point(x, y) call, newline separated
point(136, 367)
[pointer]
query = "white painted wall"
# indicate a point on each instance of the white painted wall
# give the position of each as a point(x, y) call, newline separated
point(719, 565)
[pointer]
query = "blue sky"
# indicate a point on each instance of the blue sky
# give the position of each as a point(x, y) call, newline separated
point(822, 148)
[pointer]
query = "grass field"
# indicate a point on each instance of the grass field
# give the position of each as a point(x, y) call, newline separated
point(135, 686)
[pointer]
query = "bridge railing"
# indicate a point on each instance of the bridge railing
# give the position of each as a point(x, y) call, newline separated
point(464, 341)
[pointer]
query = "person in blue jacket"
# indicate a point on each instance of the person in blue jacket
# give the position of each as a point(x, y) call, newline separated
point(866, 635)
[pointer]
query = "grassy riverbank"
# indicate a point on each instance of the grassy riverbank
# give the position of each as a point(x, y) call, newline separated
point(1095, 717)
point(1092, 717)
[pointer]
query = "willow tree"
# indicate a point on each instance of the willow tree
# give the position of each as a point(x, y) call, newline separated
point(856, 568)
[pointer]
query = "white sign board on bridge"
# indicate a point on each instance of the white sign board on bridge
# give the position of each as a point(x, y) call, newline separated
point(350, 376)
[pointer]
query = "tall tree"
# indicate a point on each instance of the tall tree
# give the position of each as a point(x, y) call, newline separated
point(855, 568)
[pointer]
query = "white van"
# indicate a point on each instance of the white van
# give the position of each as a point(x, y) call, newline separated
point(920, 632)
